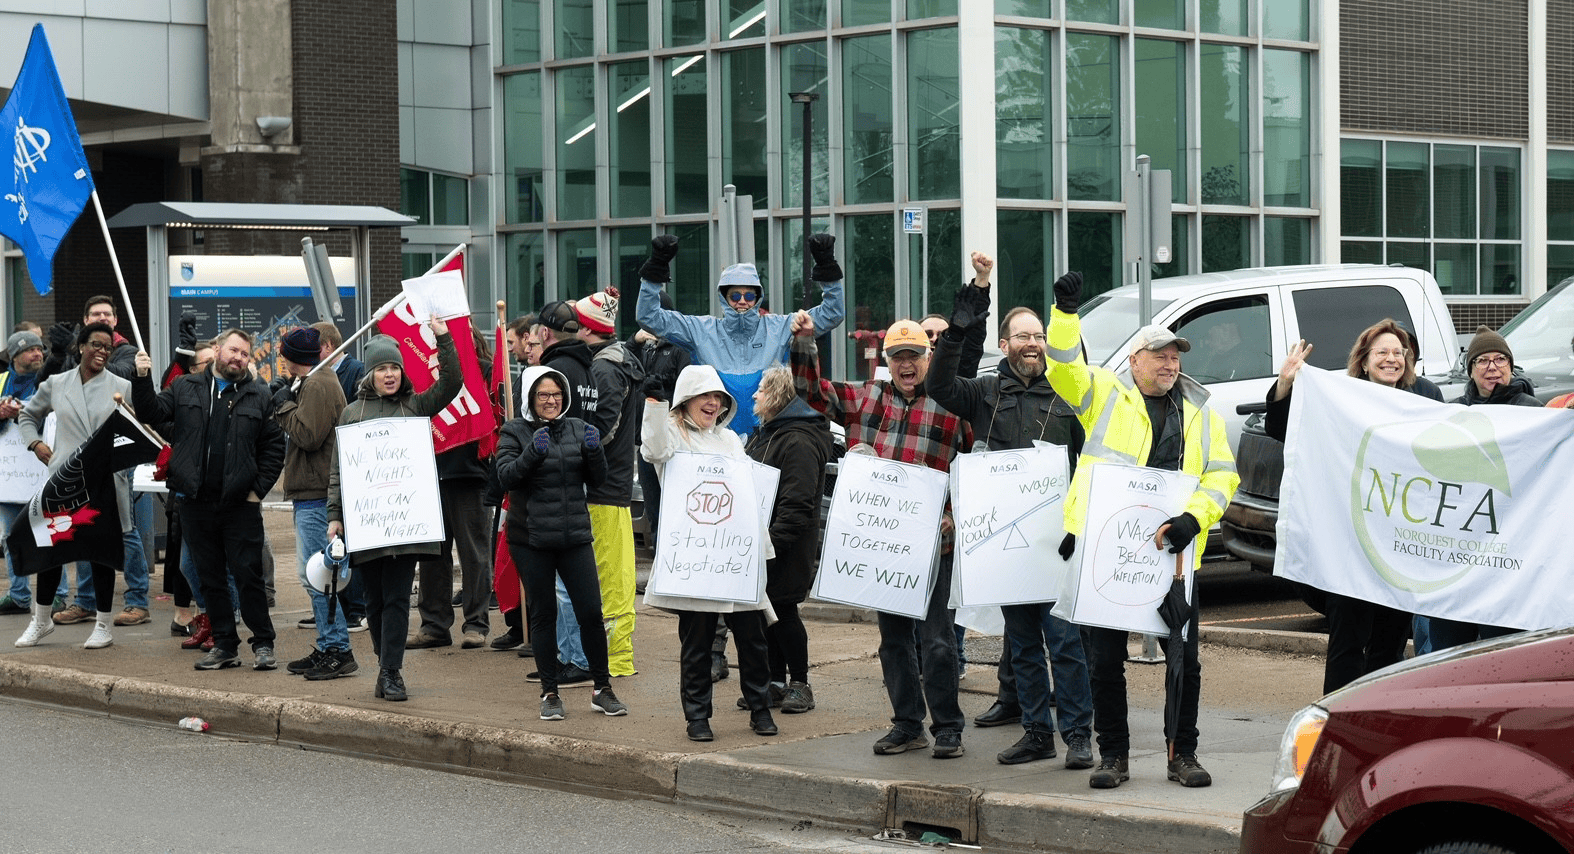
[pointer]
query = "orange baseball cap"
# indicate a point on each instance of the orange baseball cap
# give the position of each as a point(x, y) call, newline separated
point(906, 335)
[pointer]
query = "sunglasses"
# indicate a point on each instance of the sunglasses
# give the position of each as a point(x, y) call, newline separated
point(743, 295)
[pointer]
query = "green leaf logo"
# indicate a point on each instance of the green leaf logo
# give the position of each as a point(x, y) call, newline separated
point(1463, 449)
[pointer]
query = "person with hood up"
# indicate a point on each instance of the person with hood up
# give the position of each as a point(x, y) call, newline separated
point(744, 341)
point(389, 572)
point(697, 422)
point(548, 460)
point(796, 441)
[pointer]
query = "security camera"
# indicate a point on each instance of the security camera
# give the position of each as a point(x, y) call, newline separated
point(272, 126)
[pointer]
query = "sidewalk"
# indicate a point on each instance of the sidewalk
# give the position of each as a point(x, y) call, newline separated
point(472, 711)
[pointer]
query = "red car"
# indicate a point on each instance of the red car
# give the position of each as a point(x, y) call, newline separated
point(1465, 751)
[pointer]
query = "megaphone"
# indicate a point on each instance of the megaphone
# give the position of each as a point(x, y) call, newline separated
point(321, 566)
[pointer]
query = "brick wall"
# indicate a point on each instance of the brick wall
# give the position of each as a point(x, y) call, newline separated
point(1457, 68)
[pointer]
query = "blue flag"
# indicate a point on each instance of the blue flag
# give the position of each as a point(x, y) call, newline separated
point(50, 180)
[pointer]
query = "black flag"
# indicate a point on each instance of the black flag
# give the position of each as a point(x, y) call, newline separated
point(76, 516)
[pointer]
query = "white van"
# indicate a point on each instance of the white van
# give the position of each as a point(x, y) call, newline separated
point(1241, 323)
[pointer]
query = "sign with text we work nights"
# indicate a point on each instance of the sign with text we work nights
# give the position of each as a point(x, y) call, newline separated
point(711, 542)
point(388, 483)
point(1121, 575)
point(1010, 518)
point(881, 536)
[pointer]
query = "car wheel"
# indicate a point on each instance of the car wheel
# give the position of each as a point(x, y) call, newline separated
point(1465, 848)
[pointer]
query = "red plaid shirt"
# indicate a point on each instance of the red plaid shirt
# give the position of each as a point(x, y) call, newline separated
point(918, 431)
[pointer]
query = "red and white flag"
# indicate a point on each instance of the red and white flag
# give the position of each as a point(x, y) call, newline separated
point(469, 416)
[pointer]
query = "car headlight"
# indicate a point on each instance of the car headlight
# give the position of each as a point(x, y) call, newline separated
point(1296, 746)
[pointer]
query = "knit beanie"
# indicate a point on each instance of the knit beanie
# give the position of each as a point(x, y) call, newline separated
point(301, 346)
point(1487, 341)
point(599, 311)
point(21, 342)
point(381, 350)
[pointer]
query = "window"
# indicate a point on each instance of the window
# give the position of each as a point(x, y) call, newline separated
point(1338, 315)
point(1452, 208)
point(1560, 216)
point(433, 198)
point(1092, 117)
point(1024, 134)
point(628, 138)
point(1229, 341)
point(867, 117)
point(523, 164)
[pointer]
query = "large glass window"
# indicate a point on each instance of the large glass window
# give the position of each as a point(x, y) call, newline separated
point(930, 8)
point(1226, 243)
point(871, 290)
point(1161, 109)
point(1163, 14)
point(523, 165)
point(1287, 128)
point(859, 12)
point(1500, 193)
point(450, 200)
point(867, 118)
point(688, 136)
point(683, 22)
point(1093, 241)
point(521, 31)
point(945, 251)
point(628, 247)
point(577, 272)
point(527, 261)
point(1361, 188)
point(1026, 8)
point(628, 25)
point(1024, 133)
point(1098, 11)
point(574, 21)
point(576, 143)
point(1454, 188)
point(1092, 118)
point(693, 286)
point(1226, 126)
point(934, 129)
point(1227, 17)
point(1024, 262)
point(1286, 240)
point(1286, 19)
point(628, 137)
point(1560, 196)
point(1409, 200)
point(415, 195)
point(802, 15)
point(804, 70)
point(1180, 249)
point(745, 19)
point(745, 136)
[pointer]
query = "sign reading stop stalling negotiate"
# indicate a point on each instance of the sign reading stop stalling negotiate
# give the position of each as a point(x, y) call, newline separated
point(711, 544)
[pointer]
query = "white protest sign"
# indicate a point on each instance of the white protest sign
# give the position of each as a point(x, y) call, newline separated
point(1121, 575)
point(388, 483)
point(1010, 519)
point(21, 474)
point(882, 536)
point(711, 542)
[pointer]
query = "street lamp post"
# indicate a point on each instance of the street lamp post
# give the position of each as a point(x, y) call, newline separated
point(807, 99)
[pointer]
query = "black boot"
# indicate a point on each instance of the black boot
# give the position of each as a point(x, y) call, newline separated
point(390, 685)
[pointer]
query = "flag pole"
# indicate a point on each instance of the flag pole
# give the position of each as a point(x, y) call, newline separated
point(114, 261)
point(508, 387)
point(380, 313)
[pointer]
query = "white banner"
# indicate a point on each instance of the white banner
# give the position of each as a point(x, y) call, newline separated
point(1121, 575)
point(21, 474)
point(714, 511)
point(388, 483)
point(1437, 509)
point(1010, 519)
point(882, 536)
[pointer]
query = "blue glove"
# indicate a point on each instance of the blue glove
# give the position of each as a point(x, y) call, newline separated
point(592, 437)
point(541, 442)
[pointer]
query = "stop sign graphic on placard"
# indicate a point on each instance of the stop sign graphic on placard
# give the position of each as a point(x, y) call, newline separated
point(710, 503)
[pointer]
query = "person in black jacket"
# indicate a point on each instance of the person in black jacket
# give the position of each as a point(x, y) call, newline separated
point(547, 461)
point(227, 452)
point(1011, 408)
point(795, 440)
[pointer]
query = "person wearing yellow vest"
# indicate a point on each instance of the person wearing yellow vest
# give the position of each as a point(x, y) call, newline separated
point(1161, 420)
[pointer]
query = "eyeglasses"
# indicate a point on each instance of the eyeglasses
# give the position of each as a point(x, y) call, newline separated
point(1025, 337)
point(1491, 362)
point(1390, 354)
point(99, 346)
point(549, 395)
point(743, 295)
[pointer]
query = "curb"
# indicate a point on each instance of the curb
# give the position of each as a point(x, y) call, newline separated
point(1267, 640)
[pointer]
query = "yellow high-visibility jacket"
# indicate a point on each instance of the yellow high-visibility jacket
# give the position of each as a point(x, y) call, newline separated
point(1118, 431)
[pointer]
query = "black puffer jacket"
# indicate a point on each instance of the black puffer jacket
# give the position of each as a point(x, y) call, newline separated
point(617, 375)
point(798, 443)
point(547, 506)
point(254, 445)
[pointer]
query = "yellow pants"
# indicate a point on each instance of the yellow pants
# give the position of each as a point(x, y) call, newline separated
point(613, 528)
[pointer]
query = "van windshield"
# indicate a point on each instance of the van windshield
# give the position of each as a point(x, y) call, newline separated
point(1109, 321)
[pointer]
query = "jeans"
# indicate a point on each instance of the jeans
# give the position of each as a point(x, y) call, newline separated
point(937, 688)
point(136, 565)
point(20, 592)
point(188, 568)
point(1029, 630)
point(570, 643)
point(1106, 649)
point(388, 581)
point(311, 537)
point(1451, 633)
point(229, 536)
point(1421, 631)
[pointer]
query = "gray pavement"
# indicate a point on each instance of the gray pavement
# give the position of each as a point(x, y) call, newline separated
point(472, 711)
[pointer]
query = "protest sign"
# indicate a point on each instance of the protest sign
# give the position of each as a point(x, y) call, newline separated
point(712, 539)
point(1120, 575)
point(1008, 507)
point(1431, 508)
point(388, 483)
point(882, 536)
point(21, 474)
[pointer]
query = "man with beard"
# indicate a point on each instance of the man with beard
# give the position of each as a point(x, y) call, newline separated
point(226, 453)
point(896, 420)
point(1011, 408)
point(17, 385)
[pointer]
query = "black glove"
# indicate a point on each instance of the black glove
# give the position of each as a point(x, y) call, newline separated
point(654, 387)
point(971, 305)
point(658, 268)
point(188, 334)
point(1068, 292)
point(822, 248)
point(284, 394)
point(61, 337)
point(1183, 529)
point(1067, 546)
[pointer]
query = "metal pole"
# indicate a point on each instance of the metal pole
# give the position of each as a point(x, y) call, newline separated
point(807, 99)
point(1142, 207)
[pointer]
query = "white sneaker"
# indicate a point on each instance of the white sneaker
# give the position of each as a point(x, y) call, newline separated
point(100, 637)
point(35, 632)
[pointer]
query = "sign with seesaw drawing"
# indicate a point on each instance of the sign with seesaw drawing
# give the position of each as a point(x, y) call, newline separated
point(882, 536)
point(1010, 519)
point(388, 483)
